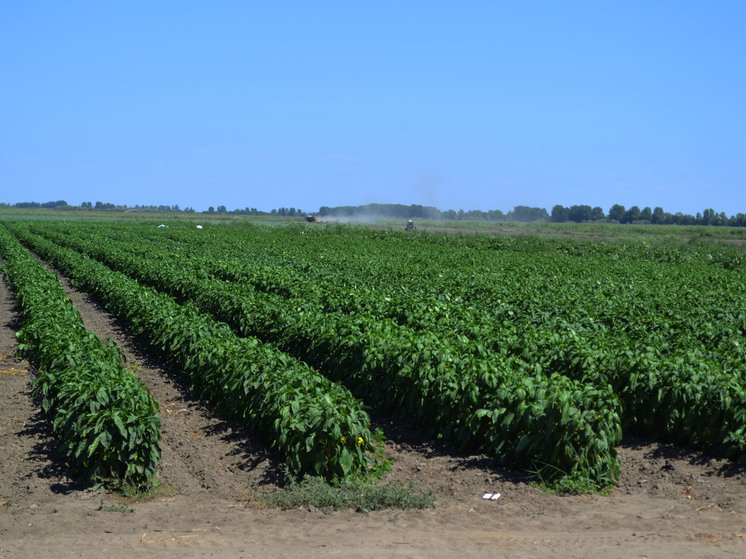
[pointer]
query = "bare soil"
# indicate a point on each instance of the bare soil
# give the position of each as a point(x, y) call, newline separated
point(670, 503)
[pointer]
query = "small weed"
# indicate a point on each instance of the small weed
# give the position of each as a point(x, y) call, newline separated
point(155, 491)
point(141, 493)
point(361, 496)
point(134, 368)
point(115, 507)
point(568, 486)
point(559, 483)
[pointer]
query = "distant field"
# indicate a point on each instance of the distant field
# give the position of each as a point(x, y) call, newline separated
point(655, 233)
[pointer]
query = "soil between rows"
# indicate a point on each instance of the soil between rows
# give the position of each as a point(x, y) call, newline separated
point(669, 502)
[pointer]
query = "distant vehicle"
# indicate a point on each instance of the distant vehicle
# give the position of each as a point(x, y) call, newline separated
point(314, 219)
point(410, 225)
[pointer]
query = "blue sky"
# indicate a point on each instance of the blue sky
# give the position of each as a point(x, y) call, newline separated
point(468, 105)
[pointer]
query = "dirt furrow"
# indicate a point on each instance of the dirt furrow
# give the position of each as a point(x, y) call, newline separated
point(200, 452)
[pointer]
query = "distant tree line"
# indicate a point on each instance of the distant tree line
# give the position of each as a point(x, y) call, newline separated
point(50, 205)
point(284, 212)
point(98, 206)
point(635, 215)
point(108, 206)
point(416, 211)
point(560, 214)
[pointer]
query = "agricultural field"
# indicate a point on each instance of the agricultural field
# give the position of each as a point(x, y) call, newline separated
point(606, 364)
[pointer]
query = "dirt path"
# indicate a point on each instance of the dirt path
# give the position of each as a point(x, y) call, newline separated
point(669, 503)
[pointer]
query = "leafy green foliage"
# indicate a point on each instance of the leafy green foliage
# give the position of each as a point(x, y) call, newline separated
point(104, 417)
point(535, 350)
point(361, 496)
point(317, 425)
point(496, 405)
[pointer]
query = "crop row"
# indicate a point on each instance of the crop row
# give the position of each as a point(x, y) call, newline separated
point(103, 416)
point(669, 338)
point(675, 386)
point(317, 425)
point(487, 295)
point(499, 405)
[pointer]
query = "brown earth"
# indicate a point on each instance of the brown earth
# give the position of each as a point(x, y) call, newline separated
point(669, 502)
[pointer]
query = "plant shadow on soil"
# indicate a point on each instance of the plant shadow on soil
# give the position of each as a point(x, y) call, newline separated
point(666, 451)
point(246, 445)
point(252, 455)
point(404, 436)
point(48, 462)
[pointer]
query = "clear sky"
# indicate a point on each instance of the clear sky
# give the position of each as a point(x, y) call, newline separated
point(460, 105)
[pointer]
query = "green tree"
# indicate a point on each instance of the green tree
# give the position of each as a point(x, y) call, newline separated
point(616, 212)
point(559, 214)
point(579, 214)
point(527, 213)
point(632, 215)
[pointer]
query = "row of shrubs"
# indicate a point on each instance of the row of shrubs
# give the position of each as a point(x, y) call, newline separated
point(316, 425)
point(499, 405)
point(105, 419)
